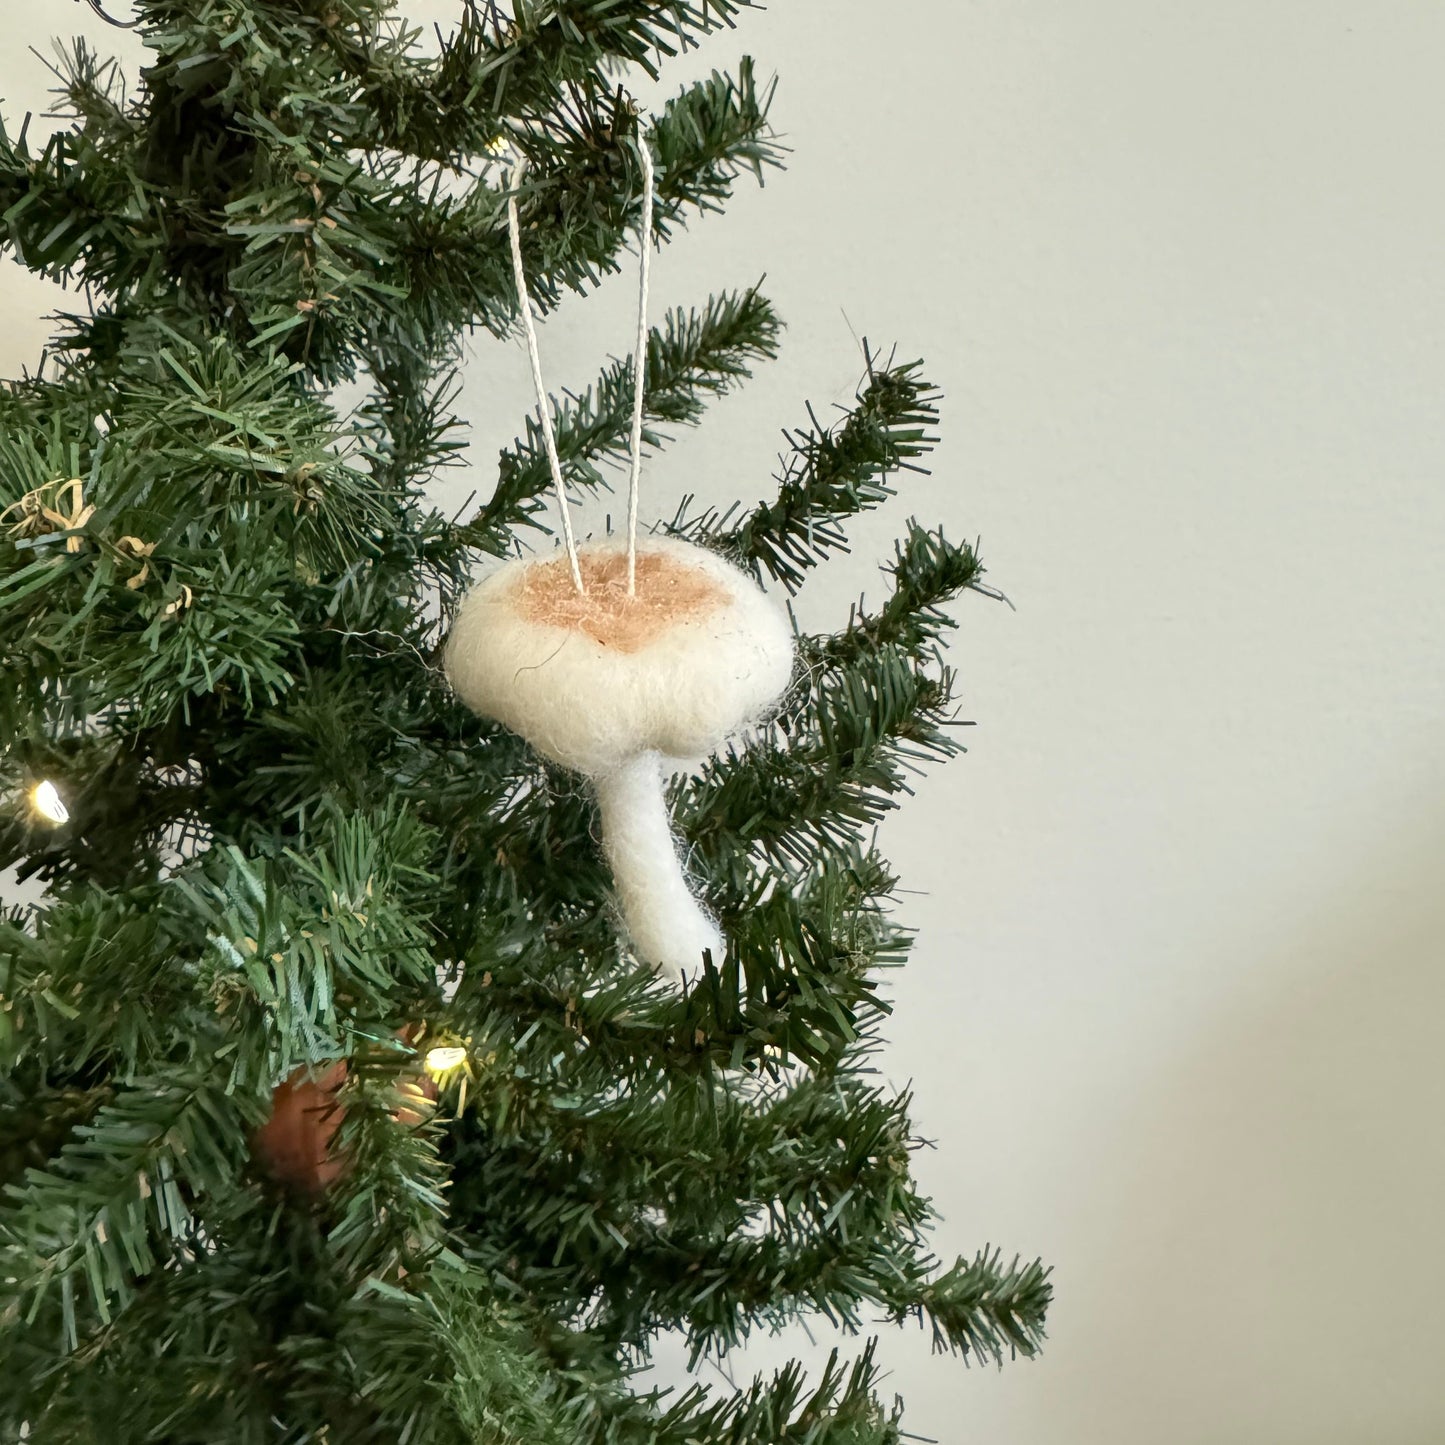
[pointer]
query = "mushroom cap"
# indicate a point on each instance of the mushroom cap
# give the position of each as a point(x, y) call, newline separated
point(590, 702)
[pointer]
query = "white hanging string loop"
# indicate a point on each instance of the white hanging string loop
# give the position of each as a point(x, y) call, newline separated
point(639, 364)
point(524, 303)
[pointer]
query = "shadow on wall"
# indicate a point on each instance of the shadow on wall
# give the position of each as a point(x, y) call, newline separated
point(1272, 1251)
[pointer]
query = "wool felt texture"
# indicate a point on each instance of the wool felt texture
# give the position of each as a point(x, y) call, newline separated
point(667, 925)
point(608, 683)
point(702, 674)
point(671, 590)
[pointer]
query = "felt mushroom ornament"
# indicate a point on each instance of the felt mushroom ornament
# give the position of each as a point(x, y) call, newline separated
point(616, 656)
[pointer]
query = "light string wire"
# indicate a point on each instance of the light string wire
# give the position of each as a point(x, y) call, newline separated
point(524, 303)
point(639, 365)
point(111, 20)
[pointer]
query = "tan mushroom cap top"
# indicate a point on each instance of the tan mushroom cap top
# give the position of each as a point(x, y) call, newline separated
point(668, 590)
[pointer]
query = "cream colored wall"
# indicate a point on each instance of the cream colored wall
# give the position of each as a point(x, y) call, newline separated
point(1175, 1014)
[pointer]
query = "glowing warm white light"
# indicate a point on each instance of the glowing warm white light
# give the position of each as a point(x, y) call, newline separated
point(48, 802)
point(444, 1060)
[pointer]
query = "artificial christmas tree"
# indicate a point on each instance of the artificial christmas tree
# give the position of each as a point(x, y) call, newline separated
point(286, 866)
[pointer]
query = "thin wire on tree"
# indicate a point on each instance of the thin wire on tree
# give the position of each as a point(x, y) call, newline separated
point(524, 305)
point(110, 19)
point(639, 364)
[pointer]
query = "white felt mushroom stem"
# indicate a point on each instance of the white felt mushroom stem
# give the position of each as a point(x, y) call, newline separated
point(668, 926)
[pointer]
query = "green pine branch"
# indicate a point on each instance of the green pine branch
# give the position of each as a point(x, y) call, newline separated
point(439, 1359)
point(160, 597)
point(833, 767)
point(796, 1154)
point(927, 573)
point(491, 70)
point(328, 254)
point(118, 1200)
point(249, 1361)
point(841, 1409)
point(124, 811)
point(578, 203)
point(874, 708)
point(408, 421)
point(37, 1117)
point(832, 473)
point(90, 956)
point(808, 945)
point(706, 136)
point(313, 953)
point(799, 980)
point(58, 208)
point(821, 1162)
point(980, 1307)
point(389, 1208)
point(691, 355)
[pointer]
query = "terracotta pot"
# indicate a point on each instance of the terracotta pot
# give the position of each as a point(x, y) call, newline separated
point(294, 1145)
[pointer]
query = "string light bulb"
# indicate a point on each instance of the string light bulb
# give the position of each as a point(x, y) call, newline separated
point(445, 1058)
point(46, 800)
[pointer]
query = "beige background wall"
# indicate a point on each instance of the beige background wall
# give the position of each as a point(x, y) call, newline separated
point(1175, 1015)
